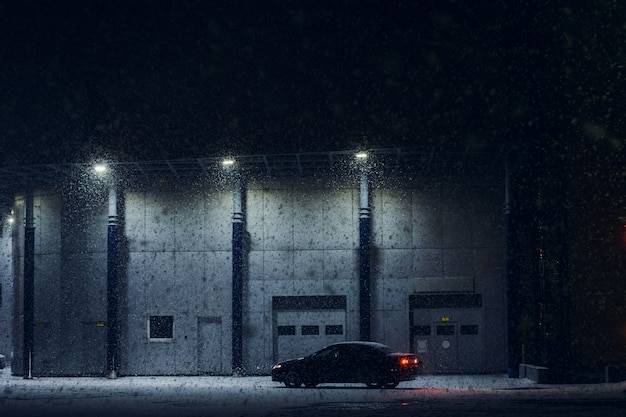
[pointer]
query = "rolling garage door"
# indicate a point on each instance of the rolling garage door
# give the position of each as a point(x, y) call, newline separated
point(302, 325)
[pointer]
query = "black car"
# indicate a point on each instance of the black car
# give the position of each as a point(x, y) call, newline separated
point(374, 364)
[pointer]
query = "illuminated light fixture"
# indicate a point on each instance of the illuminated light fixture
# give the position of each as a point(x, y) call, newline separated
point(228, 162)
point(10, 219)
point(361, 155)
point(100, 168)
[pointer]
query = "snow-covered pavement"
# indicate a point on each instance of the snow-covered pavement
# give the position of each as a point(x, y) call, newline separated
point(258, 396)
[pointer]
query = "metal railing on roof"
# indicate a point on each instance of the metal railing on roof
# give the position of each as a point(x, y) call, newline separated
point(432, 160)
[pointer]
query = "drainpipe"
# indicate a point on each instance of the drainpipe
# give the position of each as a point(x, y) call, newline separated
point(29, 285)
point(112, 287)
point(237, 287)
point(364, 259)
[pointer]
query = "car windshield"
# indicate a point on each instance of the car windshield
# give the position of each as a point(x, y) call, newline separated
point(327, 351)
point(386, 349)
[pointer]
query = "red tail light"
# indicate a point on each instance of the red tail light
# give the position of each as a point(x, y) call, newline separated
point(406, 361)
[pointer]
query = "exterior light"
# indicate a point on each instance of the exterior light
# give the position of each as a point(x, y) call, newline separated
point(100, 168)
point(10, 220)
point(361, 155)
point(228, 162)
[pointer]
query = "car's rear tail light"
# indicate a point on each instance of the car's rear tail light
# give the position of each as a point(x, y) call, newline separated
point(406, 361)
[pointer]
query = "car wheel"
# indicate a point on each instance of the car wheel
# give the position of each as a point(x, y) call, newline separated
point(373, 382)
point(391, 384)
point(293, 380)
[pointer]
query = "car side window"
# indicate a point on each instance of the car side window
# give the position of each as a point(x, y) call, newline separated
point(372, 354)
point(327, 353)
point(338, 353)
point(355, 352)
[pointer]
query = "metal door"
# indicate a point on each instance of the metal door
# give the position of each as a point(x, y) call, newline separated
point(445, 346)
point(209, 345)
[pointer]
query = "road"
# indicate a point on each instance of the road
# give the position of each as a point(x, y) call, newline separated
point(258, 396)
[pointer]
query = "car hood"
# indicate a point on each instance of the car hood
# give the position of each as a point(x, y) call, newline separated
point(290, 361)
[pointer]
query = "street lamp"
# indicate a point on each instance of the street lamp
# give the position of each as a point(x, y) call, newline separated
point(228, 163)
point(364, 246)
point(238, 222)
point(100, 168)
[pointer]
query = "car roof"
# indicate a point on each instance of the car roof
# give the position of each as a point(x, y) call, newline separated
point(362, 343)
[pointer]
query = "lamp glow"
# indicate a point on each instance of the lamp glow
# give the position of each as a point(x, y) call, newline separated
point(361, 155)
point(228, 162)
point(100, 168)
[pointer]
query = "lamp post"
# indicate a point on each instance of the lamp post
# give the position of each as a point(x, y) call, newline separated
point(238, 220)
point(113, 328)
point(112, 286)
point(29, 285)
point(364, 248)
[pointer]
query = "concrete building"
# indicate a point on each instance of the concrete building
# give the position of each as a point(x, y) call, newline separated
point(159, 269)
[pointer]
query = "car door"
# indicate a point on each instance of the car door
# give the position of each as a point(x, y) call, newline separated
point(348, 363)
point(359, 363)
point(339, 364)
point(324, 365)
point(369, 364)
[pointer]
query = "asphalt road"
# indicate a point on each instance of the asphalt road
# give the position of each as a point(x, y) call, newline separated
point(475, 404)
point(258, 396)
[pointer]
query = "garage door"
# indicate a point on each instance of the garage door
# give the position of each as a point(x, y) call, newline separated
point(304, 324)
point(298, 333)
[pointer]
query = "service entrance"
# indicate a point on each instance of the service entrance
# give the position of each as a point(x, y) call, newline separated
point(209, 345)
point(447, 333)
point(445, 345)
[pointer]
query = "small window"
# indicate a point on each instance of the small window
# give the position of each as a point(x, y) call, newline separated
point(286, 330)
point(334, 329)
point(161, 328)
point(421, 330)
point(447, 330)
point(469, 329)
point(310, 330)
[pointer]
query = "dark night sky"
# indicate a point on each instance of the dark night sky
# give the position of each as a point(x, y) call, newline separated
point(168, 79)
point(151, 79)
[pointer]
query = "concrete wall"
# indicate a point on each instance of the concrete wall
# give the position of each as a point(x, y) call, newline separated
point(438, 237)
point(179, 264)
point(302, 240)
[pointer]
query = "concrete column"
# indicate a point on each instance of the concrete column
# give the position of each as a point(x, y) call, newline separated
point(513, 350)
point(29, 285)
point(364, 259)
point(237, 278)
point(112, 287)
